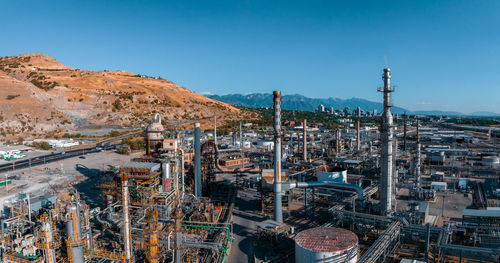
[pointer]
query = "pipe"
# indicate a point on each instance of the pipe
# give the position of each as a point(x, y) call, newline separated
point(349, 187)
point(217, 227)
point(305, 140)
point(197, 159)
point(386, 194)
point(278, 211)
point(126, 220)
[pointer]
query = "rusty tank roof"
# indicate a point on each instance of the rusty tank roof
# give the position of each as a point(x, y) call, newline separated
point(326, 239)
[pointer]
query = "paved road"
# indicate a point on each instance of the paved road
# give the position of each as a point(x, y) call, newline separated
point(245, 219)
point(24, 163)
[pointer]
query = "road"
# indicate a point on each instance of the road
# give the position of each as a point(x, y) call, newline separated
point(56, 156)
point(245, 219)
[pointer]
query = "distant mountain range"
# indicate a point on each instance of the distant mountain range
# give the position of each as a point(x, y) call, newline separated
point(300, 102)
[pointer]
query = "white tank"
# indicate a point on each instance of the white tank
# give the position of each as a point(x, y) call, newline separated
point(326, 244)
point(331, 174)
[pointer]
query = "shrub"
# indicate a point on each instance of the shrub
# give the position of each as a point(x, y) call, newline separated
point(42, 145)
point(11, 97)
point(117, 104)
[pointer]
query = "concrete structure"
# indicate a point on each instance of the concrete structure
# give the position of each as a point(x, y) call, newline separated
point(326, 244)
point(386, 191)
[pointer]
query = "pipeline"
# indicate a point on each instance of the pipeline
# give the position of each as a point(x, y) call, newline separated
point(217, 227)
point(349, 187)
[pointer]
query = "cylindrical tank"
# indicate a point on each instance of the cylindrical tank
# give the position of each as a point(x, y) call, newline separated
point(154, 134)
point(331, 174)
point(326, 244)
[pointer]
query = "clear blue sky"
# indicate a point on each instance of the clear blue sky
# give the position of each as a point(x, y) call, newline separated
point(444, 55)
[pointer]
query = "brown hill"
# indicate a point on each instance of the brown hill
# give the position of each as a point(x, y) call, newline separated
point(39, 95)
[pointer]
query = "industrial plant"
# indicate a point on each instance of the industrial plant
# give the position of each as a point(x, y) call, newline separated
point(372, 188)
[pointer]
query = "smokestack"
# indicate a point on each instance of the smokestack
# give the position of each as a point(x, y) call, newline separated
point(126, 220)
point(358, 139)
point(215, 130)
point(387, 141)
point(418, 164)
point(405, 121)
point(197, 160)
point(278, 212)
point(305, 140)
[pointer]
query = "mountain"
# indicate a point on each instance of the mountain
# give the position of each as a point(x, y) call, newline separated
point(38, 95)
point(485, 114)
point(438, 113)
point(299, 102)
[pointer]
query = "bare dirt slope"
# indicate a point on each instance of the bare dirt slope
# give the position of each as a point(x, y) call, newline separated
point(39, 95)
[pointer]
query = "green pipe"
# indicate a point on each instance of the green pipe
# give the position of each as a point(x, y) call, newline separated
point(217, 227)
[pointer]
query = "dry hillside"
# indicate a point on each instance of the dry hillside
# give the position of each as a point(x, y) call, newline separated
point(39, 95)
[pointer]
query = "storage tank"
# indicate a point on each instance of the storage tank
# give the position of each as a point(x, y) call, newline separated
point(154, 134)
point(331, 174)
point(326, 244)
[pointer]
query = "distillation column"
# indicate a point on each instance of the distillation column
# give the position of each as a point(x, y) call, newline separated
point(48, 244)
point(305, 140)
point(74, 231)
point(278, 212)
point(126, 220)
point(387, 141)
point(197, 160)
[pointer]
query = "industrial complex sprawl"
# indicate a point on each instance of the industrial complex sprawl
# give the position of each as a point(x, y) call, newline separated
point(224, 184)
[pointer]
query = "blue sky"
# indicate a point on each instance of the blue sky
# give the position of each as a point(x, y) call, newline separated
point(444, 55)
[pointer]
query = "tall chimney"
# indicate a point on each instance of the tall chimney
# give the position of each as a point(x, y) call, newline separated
point(197, 160)
point(305, 140)
point(418, 164)
point(387, 141)
point(358, 138)
point(215, 130)
point(278, 212)
point(405, 124)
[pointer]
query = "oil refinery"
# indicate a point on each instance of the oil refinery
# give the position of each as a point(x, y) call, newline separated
point(391, 188)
